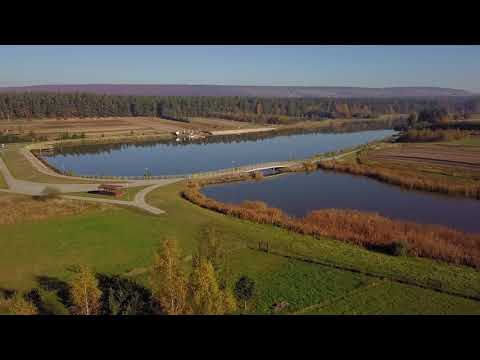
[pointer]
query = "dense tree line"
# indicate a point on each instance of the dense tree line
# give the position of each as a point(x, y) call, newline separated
point(30, 105)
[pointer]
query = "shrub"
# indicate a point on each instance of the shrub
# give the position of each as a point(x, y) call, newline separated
point(399, 248)
point(50, 193)
point(309, 166)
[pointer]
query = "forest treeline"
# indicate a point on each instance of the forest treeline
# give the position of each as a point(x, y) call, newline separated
point(34, 105)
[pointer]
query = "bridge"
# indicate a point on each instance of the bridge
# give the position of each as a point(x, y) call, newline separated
point(270, 167)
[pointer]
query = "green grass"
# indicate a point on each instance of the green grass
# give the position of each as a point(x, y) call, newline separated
point(392, 298)
point(120, 240)
point(298, 283)
point(22, 169)
point(471, 141)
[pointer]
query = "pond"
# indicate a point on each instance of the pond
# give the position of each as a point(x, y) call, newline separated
point(171, 158)
point(299, 193)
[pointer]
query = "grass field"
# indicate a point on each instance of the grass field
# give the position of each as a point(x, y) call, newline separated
point(22, 169)
point(385, 297)
point(336, 278)
point(118, 240)
point(114, 126)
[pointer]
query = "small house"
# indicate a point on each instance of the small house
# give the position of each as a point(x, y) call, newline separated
point(111, 189)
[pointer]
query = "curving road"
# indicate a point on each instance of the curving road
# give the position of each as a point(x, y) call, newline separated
point(36, 188)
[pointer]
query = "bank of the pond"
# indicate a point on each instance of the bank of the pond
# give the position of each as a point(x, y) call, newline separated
point(178, 158)
point(367, 229)
point(302, 192)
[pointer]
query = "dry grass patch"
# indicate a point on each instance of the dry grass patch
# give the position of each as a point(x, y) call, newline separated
point(18, 208)
point(3, 183)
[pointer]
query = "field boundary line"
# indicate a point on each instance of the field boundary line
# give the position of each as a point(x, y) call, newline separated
point(368, 273)
point(348, 294)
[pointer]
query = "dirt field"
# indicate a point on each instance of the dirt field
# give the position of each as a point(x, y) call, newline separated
point(241, 131)
point(457, 156)
point(93, 127)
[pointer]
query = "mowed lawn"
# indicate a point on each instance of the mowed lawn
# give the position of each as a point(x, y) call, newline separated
point(120, 240)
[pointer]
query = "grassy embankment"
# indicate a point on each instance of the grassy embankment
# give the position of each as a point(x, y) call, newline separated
point(121, 241)
point(22, 169)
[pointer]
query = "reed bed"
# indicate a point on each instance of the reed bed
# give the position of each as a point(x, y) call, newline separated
point(368, 230)
point(406, 179)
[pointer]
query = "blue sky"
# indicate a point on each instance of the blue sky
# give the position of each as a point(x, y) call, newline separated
point(368, 66)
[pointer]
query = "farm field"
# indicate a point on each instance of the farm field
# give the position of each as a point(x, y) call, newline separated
point(449, 166)
point(115, 126)
point(471, 141)
point(454, 156)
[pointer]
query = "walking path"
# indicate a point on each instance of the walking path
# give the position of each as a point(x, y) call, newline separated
point(37, 188)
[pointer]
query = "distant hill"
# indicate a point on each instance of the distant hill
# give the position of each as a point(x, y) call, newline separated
point(251, 91)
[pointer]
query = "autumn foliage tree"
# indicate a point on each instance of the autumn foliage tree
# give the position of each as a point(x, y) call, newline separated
point(84, 292)
point(18, 305)
point(170, 284)
point(205, 294)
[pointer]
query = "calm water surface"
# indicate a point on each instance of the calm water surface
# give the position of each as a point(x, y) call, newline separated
point(170, 159)
point(299, 193)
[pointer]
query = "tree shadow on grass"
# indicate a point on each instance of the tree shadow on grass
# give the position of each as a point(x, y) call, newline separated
point(123, 296)
point(7, 293)
point(59, 287)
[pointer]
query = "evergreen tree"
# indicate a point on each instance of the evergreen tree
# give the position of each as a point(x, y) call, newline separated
point(244, 290)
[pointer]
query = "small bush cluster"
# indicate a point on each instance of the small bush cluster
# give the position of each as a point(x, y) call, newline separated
point(428, 135)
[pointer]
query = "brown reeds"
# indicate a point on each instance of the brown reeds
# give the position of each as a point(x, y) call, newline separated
point(406, 179)
point(368, 230)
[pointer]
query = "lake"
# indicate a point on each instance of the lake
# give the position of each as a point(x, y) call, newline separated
point(299, 193)
point(171, 158)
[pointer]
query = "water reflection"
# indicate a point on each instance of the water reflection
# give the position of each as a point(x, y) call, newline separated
point(299, 193)
point(169, 158)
